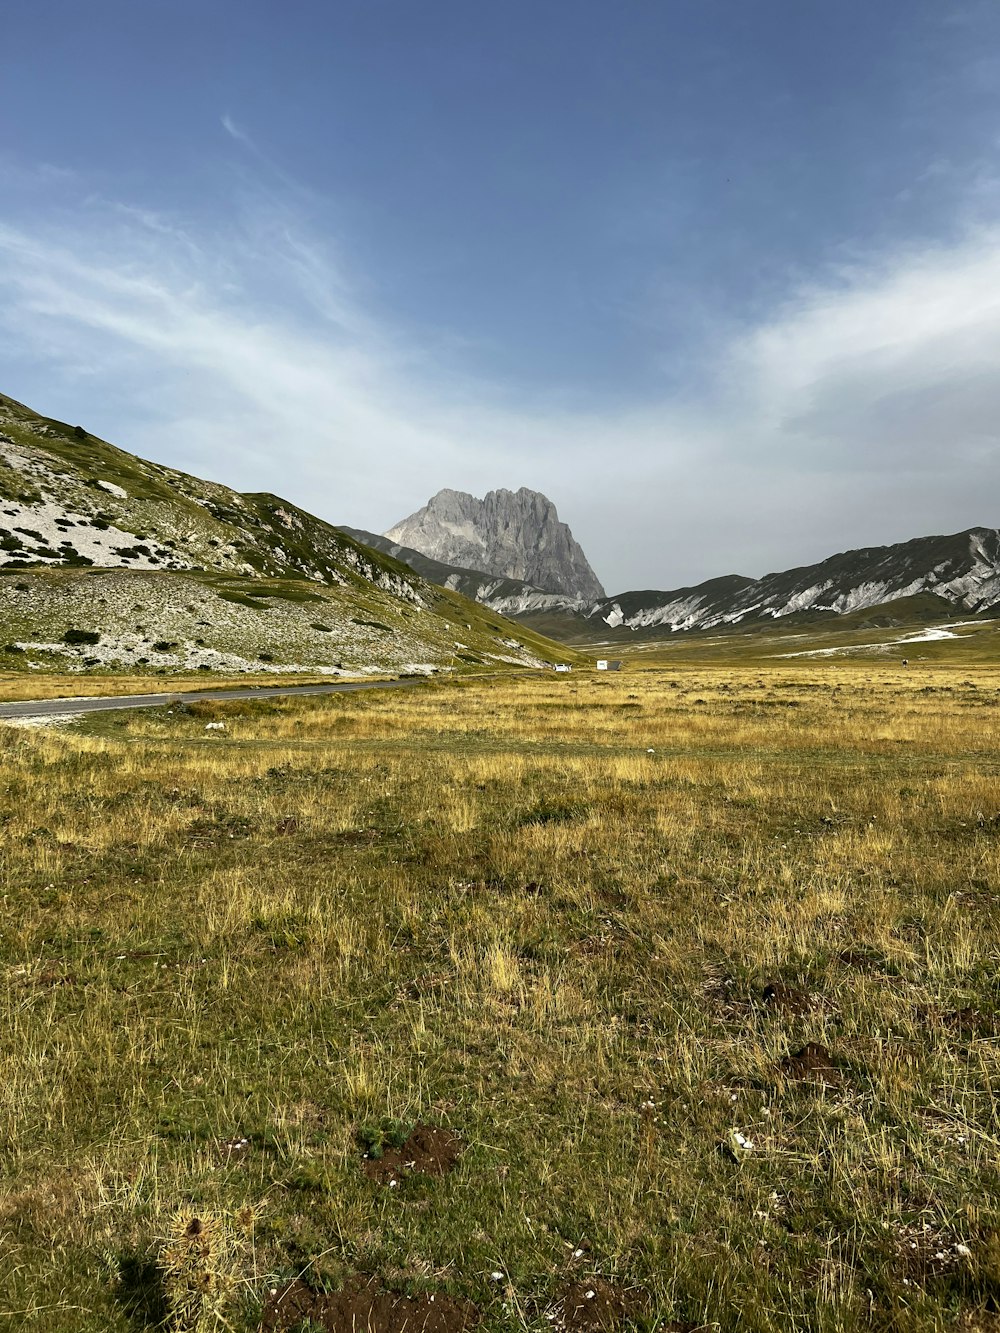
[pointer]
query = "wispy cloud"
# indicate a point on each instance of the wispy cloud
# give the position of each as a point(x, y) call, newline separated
point(893, 365)
point(865, 408)
point(234, 131)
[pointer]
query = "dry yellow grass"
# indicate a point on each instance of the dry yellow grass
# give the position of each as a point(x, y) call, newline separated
point(544, 912)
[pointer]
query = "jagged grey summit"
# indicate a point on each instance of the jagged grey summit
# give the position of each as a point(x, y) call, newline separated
point(513, 534)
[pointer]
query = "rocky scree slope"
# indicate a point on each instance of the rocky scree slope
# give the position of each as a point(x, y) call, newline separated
point(107, 560)
point(924, 578)
point(961, 571)
point(510, 534)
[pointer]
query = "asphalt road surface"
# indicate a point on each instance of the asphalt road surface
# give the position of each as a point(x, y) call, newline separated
point(46, 707)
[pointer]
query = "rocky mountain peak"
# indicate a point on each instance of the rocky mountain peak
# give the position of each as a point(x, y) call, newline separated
point(512, 534)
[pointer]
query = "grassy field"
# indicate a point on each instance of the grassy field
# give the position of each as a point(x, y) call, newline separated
point(691, 974)
point(860, 637)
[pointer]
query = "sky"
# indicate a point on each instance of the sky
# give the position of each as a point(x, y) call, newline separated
point(720, 277)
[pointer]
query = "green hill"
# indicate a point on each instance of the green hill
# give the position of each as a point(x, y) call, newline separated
point(108, 561)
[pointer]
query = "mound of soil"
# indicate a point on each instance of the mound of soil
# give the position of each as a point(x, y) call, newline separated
point(594, 1305)
point(430, 1150)
point(786, 998)
point(813, 1061)
point(363, 1306)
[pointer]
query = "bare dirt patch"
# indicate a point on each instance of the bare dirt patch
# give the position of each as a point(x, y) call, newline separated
point(594, 1304)
point(234, 1150)
point(428, 1150)
point(47, 720)
point(364, 1306)
point(787, 999)
point(924, 1254)
point(813, 1061)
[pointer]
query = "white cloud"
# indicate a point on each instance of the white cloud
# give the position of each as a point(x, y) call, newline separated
point(894, 365)
point(234, 131)
point(863, 410)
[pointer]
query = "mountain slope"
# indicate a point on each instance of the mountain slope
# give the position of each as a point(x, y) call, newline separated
point(510, 534)
point(961, 570)
point(474, 583)
point(176, 573)
point(924, 578)
point(70, 499)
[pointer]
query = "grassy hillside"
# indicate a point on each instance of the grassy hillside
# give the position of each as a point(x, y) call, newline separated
point(174, 622)
point(112, 508)
point(176, 574)
point(690, 973)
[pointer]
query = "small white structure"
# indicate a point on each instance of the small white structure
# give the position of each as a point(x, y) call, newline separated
point(604, 665)
point(562, 666)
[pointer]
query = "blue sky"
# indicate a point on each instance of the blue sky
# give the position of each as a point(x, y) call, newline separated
point(721, 277)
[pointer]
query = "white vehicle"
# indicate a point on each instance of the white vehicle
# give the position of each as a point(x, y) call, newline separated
point(561, 666)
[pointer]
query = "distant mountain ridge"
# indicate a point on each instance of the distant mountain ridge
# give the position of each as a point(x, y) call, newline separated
point(180, 574)
point(941, 573)
point(510, 534)
point(961, 570)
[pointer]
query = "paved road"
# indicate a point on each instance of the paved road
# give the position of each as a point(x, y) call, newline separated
point(46, 707)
